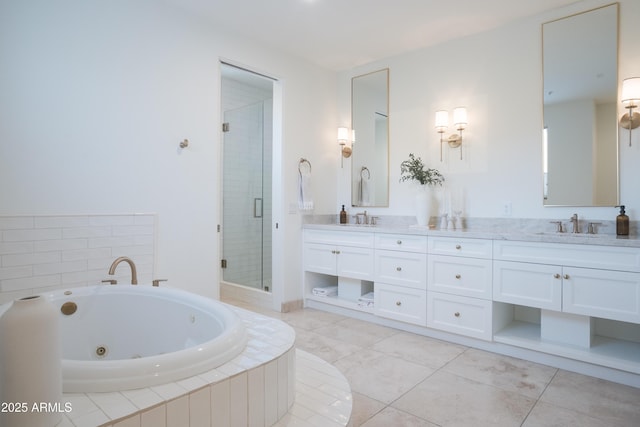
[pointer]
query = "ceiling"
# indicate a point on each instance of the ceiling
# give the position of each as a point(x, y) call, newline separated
point(342, 34)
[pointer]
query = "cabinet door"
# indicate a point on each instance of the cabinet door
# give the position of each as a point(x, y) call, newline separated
point(320, 258)
point(601, 293)
point(460, 276)
point(401, 268)
point(533, 285)
point(400, 303)
point(356, 263)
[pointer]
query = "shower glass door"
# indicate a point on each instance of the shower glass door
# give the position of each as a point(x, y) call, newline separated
point(246, 234)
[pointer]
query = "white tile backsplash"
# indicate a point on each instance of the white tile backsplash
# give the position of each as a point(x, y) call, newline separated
point(43, 253)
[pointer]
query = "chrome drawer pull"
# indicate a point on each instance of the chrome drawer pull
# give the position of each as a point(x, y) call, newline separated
point(458, 247)
point(398, 268)
point(458, 276)
point(398, 303)
point(565, 277)
point(556, 276)
point(399, 242)
point(457, 314)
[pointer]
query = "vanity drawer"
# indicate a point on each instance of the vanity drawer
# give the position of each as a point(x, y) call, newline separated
point(400, 303)
point(401, 242)
point(401, 268)
point(339, 238)
point(471, 317)
point(589, 256)
point(473, 248)
point(470, 277)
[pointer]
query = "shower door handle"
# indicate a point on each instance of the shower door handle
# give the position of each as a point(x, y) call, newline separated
point(257, 207)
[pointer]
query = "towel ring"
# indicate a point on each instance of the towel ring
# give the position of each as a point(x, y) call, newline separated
point(302, 162)
point(363, 170)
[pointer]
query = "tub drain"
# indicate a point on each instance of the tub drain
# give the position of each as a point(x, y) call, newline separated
point(68, 308)
point(101, 351)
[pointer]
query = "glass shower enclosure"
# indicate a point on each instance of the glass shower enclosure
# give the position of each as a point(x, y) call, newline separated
point(246, 181)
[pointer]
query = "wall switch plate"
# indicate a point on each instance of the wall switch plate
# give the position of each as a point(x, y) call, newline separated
point(506, 209)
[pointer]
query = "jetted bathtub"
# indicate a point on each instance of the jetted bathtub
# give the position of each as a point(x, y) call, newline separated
point(119, 337)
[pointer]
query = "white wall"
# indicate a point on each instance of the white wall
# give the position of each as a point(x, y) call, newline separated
point(96, 97)
point(497, 75)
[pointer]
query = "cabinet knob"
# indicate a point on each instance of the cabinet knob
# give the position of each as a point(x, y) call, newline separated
point(556, 276)
point(333, 251)
point(337, 252)
point(399, 242)
point(458, 276)
point(457, 314)
point(398, 303)
point(398, 268)
point(566, 277)
point(458, 247)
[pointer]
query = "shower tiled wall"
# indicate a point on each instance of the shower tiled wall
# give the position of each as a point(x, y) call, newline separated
point(44, 253)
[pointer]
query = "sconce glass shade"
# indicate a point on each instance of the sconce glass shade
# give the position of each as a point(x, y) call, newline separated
point(353, 136)
point(631, 90)
point(460, 117)
point(343, 136)
point(442, 120)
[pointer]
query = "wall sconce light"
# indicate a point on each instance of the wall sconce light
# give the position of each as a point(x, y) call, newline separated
point(630, 99)
point(460, 123)
point(343, 140)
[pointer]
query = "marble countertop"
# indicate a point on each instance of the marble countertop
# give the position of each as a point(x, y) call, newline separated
point(526, 234)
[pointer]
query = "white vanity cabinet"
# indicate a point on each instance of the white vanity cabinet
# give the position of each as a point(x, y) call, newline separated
point(346, 254)
point(400, 287)
point(599, 281)
point(459, 286)
point(576, 301)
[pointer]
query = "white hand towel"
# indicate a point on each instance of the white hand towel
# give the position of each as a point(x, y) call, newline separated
point(305, 200)
point(363, 192)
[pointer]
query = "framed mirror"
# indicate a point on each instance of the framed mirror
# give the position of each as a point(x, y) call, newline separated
point(580, 137)
point(370, 122)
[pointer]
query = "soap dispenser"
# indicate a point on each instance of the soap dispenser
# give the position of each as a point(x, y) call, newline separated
point(622, 222)
point(343, 216)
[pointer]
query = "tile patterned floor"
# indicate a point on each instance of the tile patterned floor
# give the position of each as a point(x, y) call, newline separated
point(402, 379)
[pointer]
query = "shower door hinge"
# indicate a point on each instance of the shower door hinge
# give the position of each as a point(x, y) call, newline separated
point(223, 263)
point(225, 127)
point(218, 228)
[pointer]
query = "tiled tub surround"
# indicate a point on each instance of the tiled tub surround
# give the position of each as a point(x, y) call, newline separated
point(566, 300)
point(255, 388)
point(43, 253)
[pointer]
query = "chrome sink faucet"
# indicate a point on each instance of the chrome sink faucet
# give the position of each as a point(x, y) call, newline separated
point(365, 218)
point(574, 222)
point(134, 273)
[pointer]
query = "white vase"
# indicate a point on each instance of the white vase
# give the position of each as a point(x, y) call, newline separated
point(30, 363)
point(423, 211)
